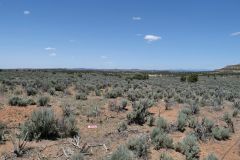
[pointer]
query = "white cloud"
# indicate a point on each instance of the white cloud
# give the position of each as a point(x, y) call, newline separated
point(50, 49)
point(152, 38)
point(235, 34)
point(53, 54)
point(136, 18)
point(104, 57)
point(26, 12)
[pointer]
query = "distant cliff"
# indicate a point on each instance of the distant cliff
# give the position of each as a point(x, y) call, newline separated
point(230, 68)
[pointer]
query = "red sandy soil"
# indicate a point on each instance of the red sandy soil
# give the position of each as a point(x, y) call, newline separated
point(106, 132)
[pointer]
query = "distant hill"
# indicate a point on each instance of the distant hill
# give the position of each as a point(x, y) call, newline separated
point(231, 68)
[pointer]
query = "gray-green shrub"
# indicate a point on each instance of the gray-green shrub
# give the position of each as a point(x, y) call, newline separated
point(189, 147)
point(122, 153)
point(164, 156)
point(43, 101)
point(41, 125)
point(211, 157)
point(160, 139)
point(122, 126)
point(139, 146)
point(221, 133)
point(181, 121)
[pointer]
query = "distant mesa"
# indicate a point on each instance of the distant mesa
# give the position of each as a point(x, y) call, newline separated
point(231, 68)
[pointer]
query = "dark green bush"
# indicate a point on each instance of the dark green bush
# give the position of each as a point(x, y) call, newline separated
point(60, 87)
point(16, 101)
point(31, 102)
point(2, 131)
point(192, 78)
point(235, 112)
point(81, 96)
point(183, 78)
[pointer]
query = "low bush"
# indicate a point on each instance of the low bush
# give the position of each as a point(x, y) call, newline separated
point(122, 127)
point(228, 119)
point(81, 96)
point(139, 113)
point(235, 112)
point(43, 101)
point(150, 120)
point(236, 105)
point(123, 104)
point(162, 124)
point(221, 133)
point(31, 91)
point(77, 156)
point(2, 131)
point(160, 139)
point(189, 147)
point(181, 121)
point(17, 101)
point(192, 123)
point(139, 146)
point(114, 93)
point(41, 125)
point(60, 87)
point(31, 102)
point(192, 78)
point(67, 126)
point(122, 153)
point(195, 108)
point(164, 156)
point(211, 157)
point(183, 78)
point(93, 111)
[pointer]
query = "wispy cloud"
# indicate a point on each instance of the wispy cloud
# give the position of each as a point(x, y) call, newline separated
point(26, 12)
point(52, 54)
point(72, 40)
point(109, 62)
point(152, 38)
point(50, 49)
point(104, 57)
point(235, 34)
point(139, 34)
point(135, 18)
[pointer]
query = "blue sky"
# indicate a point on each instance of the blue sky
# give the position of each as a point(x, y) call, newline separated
point(143, 34)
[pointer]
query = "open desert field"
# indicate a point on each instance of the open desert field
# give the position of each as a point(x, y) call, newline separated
point(61, 114)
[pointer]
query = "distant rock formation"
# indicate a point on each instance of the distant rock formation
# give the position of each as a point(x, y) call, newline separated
point(230, 68)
